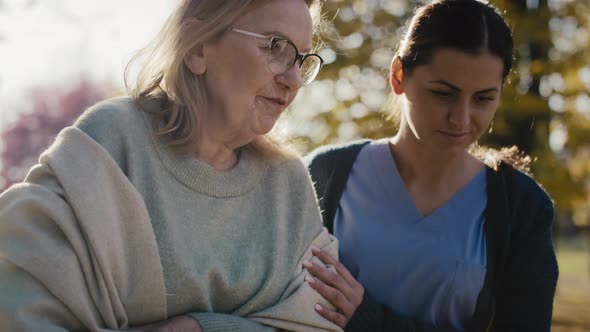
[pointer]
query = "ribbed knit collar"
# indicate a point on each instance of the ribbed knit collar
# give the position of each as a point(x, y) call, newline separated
point(202, 177)
point(199, 176)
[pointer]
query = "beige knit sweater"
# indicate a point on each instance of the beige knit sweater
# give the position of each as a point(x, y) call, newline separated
point(80, 250)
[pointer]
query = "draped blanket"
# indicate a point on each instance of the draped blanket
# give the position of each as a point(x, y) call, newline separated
point(78, 252)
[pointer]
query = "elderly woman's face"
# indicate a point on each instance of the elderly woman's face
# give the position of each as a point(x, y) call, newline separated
point(245, 97)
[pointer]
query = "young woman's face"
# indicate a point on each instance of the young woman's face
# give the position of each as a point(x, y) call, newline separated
point(245, 97)
point(450, 102)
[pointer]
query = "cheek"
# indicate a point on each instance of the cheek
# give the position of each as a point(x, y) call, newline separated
point(488, 113)
point(243, 70)
point(424, 111)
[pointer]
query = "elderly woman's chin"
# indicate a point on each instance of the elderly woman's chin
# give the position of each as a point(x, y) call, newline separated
point(265, 123)
point(265, 117)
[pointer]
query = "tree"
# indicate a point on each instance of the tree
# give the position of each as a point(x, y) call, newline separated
point(346, 101)
point(52, 110)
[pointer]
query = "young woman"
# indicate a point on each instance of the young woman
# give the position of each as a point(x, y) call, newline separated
point(438, 236)
point(173, 209)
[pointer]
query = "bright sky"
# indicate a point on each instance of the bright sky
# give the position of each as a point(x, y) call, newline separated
point(57, 41)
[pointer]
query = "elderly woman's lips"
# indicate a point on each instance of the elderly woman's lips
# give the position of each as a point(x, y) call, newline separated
point(279, 101)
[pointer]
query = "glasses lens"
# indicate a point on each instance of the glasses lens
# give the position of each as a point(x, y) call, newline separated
point(310, 68)
point(281, 57)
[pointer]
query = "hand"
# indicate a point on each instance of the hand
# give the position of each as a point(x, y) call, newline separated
point(176, 324)
point(340, 288)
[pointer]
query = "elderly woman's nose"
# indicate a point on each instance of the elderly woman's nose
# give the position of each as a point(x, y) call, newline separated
point(292, 78)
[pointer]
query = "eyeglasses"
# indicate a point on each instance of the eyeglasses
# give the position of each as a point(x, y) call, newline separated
point(283, 54)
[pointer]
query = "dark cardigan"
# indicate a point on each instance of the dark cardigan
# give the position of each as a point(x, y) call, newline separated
point(521, 272)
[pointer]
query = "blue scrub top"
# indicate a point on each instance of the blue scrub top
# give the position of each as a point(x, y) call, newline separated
point(430, 268)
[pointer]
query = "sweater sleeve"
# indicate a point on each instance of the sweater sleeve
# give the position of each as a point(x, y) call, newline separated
point(294, 310)
point(218, 322)
point(525, 294)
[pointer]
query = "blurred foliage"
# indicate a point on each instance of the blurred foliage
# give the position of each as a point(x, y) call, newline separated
point(545, 107)
point(52, 109)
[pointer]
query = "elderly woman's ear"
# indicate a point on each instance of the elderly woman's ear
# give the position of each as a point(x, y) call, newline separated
point(195, 60)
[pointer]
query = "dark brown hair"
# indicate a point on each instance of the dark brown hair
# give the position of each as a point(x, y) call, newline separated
point(470, 26)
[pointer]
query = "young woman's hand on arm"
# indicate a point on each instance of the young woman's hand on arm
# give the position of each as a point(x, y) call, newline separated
point(339, 287)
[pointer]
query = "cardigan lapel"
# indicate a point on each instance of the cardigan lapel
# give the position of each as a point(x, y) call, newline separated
point(497, 230)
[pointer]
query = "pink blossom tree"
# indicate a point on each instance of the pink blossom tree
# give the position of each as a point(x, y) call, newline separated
point(52, 110)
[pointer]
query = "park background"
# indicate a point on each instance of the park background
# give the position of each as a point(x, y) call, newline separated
point(58, 57)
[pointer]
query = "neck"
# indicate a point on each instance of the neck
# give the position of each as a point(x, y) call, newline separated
point(217, 153)
point(417, 164)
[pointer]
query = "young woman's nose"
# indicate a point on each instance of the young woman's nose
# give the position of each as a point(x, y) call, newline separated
point(459, 115)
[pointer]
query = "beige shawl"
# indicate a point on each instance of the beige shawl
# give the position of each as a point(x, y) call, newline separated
point(78, 252)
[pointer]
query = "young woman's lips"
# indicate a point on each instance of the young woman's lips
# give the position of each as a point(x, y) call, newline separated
point(455, 137)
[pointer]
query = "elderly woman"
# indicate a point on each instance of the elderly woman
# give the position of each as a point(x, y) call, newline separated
point(174, 209)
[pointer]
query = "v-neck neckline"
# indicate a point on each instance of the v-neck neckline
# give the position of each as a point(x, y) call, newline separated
point(399, 189)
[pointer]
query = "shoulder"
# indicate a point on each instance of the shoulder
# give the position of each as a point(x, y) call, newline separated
point(119, 126)
point(523, 189)
point(529, 206)
point(110, 117)
point(328, 156)
point(288, 183)
point(290, 171)
point(289, 179)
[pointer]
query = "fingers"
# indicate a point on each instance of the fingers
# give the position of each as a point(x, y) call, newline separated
point(323, 256)
point(331, 279)
point(354, 292)
point(331, 315)
point(339, 287)
point(344, 308)
point(340, 268)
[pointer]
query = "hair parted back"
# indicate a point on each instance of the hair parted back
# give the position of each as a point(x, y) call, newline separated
point(471, 26)
point(163, 77)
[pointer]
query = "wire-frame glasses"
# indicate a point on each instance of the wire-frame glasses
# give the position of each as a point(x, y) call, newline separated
point(283, 54)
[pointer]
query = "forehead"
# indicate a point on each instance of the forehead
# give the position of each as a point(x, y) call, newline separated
point(465, 70)
point(290, 18)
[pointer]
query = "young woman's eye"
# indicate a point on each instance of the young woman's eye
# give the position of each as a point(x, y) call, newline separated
point(442, 94)
point(485, 99)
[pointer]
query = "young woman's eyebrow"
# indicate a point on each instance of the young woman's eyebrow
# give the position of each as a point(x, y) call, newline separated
point(443, 82)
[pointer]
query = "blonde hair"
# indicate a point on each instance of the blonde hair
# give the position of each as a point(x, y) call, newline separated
point(163, 76)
